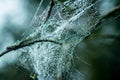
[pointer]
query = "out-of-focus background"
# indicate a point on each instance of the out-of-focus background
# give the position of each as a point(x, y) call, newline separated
point(97, 57)
point(15, 17)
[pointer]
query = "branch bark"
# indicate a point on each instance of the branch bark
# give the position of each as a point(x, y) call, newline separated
point(23, 44)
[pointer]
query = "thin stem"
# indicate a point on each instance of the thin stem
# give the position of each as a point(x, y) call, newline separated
point(113, 13)
point(23, 44)
point(50, 10)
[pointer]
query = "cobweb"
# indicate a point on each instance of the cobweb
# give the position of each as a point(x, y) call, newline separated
point(69, 23)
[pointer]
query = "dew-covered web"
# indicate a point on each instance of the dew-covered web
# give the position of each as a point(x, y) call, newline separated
point(68, 24)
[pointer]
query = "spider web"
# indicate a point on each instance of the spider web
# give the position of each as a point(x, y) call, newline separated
point(68, 23)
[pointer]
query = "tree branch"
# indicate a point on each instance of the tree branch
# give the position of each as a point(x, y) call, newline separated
point(113, 13)
point(23, 44)
point(50, 10)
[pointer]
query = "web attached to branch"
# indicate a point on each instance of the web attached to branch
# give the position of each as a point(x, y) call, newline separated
point(68, 24)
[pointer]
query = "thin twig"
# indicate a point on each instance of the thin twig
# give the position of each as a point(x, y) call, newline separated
point(112, 13)
point(50, 10)
point(22, 44)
